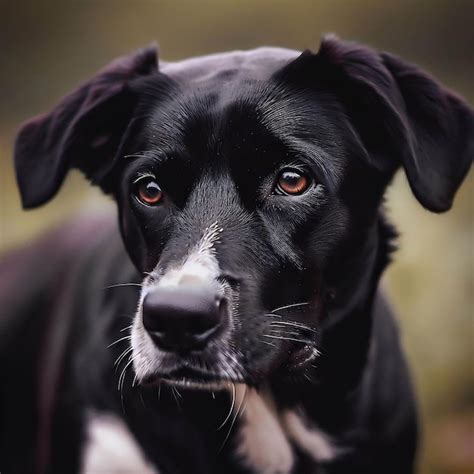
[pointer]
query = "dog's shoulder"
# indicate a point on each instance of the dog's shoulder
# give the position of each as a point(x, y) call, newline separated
point(34, 275)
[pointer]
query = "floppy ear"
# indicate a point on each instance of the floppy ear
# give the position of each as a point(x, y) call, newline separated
point(83, 131)
point(405, 116)
point(402, 115)
point(442, 129)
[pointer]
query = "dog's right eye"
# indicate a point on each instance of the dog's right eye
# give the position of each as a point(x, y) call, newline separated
point(148, 191)
point(292, 182)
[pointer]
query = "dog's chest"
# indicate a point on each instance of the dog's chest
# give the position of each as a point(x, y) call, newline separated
point(111, 448)
point(266, 437)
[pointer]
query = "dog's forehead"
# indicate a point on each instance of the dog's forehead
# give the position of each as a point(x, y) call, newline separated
point(258, 64)
point(209, 88)
point(201, 112)
point(234, 105)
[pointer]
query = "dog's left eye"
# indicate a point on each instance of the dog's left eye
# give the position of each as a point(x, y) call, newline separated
point(148, 191)
point(292, 182)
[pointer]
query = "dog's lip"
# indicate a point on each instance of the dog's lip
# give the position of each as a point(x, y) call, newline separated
point(187, 376)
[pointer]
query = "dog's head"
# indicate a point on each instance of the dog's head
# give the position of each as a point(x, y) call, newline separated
point(248, 186)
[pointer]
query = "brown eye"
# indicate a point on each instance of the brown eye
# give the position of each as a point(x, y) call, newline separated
point(292, 182)
point(148, 191)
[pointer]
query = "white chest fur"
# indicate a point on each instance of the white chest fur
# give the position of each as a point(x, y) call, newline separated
point(266, 437)
point(263, 444)
point(111, 448)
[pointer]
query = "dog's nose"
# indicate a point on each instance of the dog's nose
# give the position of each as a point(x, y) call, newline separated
point(183, 318)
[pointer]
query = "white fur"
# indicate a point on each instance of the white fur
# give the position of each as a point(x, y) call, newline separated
point(199, 267)
point(262, 441)
point(110, 448)
point(309, 439)
point(266, 437)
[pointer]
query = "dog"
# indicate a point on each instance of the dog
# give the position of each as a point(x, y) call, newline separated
point(230, 320)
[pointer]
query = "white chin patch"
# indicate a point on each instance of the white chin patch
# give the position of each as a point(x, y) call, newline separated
point(111, 448)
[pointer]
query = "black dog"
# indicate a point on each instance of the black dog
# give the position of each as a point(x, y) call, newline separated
point(249, 188)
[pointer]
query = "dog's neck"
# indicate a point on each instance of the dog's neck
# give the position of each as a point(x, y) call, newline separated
point(359, 273)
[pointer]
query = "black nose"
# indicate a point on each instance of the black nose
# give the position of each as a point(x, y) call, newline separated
point(184, 318)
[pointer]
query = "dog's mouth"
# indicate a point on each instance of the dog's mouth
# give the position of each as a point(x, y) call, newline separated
point(189, 377)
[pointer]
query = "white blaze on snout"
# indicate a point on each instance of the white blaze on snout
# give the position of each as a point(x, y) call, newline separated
point(200, 266)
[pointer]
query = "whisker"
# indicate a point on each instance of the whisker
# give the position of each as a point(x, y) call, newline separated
point(119, 340)
point(246, 399)
point(273, 315)
point(152, 274)
point(118, 285)
point(302, 341)
point(122, 356)
point(122, 379)
point(284, 331)
point(137, 155)
point(231, 407)
point(294, 324)
point(175, 397)
point(234, 418)
point(122, 375)
point(294, 305)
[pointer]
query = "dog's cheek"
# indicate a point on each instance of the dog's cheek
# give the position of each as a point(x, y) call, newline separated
point(133, 240)
point(261, 354)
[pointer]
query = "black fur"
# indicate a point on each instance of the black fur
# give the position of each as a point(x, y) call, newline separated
point(216, 131)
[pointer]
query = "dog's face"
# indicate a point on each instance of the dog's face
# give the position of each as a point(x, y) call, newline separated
point(247, 184)
point(221, 201)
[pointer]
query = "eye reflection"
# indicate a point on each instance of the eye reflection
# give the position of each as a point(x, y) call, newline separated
point(148, 191)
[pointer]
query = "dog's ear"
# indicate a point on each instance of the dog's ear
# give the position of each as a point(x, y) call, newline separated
point(441, 127)
point(83, 131)
point(402, 115)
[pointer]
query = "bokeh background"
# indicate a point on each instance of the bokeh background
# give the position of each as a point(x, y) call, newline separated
point(47, 48)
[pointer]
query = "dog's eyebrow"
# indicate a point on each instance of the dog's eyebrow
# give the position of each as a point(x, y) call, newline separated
point(136, 155)
point(143, 175)
point(329, 169)
point(292, 118)
point(149, 154)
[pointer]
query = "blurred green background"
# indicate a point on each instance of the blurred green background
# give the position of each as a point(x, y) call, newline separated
point(47, 48)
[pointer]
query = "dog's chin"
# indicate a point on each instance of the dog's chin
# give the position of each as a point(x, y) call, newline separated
point(190, 379)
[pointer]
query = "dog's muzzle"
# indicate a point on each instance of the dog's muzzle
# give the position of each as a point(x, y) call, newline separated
point(184, 319)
